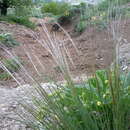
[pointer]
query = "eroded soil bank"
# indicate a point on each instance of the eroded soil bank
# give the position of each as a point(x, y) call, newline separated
point(96, 49)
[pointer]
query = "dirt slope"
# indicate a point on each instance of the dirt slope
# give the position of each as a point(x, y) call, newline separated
point(96, 49)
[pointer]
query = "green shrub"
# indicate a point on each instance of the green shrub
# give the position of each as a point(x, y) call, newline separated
point(100, 103)
point(19, 20)
point(81, 26)
point(22, 21)
point(56, 8)
point(7, 40)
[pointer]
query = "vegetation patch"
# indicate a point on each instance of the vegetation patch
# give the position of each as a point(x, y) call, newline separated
point(98, 15)
point(102, 102)
point(19, 20)
point(7, 40)
point(81, 26)
point(11, 65)
point(4, 76)
point(56, 8)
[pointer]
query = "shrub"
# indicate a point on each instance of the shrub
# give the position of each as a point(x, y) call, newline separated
point(22, 21)
point(103, 102)
point(56, 8)
point(19, 20)
point(7, 40)
point(81, 26)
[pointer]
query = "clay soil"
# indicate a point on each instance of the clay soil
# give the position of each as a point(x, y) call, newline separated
point(95, 46)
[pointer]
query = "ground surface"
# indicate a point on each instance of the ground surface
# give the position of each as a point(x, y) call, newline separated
point(96, 49)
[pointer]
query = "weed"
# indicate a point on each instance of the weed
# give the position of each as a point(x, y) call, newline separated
point(4, 76)
point(7, 40)
point(57, 69)
point(81, 26)
point(11, 65)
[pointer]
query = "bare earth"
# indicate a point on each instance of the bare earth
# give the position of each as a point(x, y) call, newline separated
point(96, 49)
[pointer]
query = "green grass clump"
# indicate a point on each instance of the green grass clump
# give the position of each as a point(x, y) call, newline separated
point(7, 40)
point(5, 76)
point(105, 5)
point(100, 103)
point(81, 26)
point(12, 67)
point(19, 20)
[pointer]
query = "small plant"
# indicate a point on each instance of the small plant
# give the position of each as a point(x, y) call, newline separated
point(11, 65)
point(7, 40)
point(4, 76)
point(57, 69)
point(81, 26)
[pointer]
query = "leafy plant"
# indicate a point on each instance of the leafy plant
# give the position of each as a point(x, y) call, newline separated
point(7, 40)
point(101, 103)
point(81, 26)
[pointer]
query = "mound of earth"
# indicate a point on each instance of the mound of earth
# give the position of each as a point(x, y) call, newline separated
point(96, 51)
